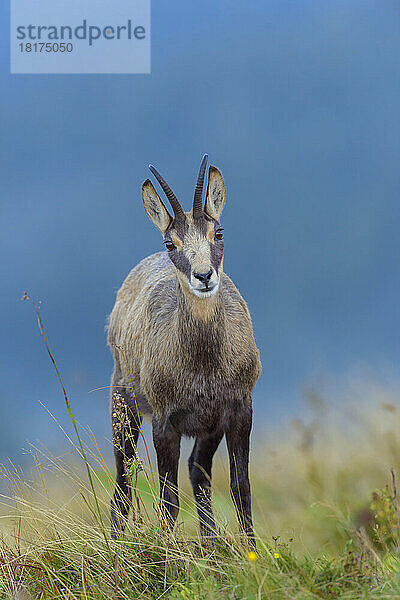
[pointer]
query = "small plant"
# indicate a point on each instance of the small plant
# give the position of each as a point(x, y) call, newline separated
point(385, 521)
point(385, 511)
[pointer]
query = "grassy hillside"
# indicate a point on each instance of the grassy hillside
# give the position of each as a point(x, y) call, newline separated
point(326, 508)
point(327, 526)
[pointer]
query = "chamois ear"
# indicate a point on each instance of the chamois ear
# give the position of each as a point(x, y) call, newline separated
point(215, 198)
point(154, 207)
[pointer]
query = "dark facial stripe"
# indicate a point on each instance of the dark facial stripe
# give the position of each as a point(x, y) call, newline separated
point(217, 250)
point(181, 262)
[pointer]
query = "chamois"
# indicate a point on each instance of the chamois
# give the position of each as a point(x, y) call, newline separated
point(182, 340)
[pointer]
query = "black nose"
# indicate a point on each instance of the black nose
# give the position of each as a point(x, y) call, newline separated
point(203, 277)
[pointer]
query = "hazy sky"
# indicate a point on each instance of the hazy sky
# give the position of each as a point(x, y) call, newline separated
point(298, 104)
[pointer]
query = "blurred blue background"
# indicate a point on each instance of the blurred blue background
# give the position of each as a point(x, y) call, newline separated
point(298, 104)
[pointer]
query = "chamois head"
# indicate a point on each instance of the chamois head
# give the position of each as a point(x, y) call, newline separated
point(194, 240)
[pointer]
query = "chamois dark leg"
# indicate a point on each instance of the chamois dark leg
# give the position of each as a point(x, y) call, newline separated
point(167, 443)
point(126, 427)
point(200, 464)
point(238, 441)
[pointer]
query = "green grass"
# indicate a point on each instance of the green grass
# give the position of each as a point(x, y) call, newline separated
point(323, 530)
point(325, 509)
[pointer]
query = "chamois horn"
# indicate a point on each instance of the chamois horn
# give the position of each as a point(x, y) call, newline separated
point(198, 192)
point(173, 200)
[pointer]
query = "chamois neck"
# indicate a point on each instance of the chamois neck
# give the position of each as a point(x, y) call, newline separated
point(203, 309)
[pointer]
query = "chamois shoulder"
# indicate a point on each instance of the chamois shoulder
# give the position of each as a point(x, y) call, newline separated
point(150, 271)
point(233, 300)
point(135, 291)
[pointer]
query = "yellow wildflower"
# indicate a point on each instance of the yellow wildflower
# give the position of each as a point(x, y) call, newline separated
point(252, 556)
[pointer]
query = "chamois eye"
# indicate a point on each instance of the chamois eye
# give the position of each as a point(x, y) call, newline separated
point(169, 245)
point(219, 234)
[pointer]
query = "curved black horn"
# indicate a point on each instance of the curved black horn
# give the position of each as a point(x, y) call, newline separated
point(173, 200)
point(198, 192)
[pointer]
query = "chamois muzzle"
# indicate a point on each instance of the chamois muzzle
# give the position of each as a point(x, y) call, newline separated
point(204, 285)
point(204, 277)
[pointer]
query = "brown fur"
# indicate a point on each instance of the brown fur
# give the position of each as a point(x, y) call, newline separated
point(169, 335)
point(192, 361)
